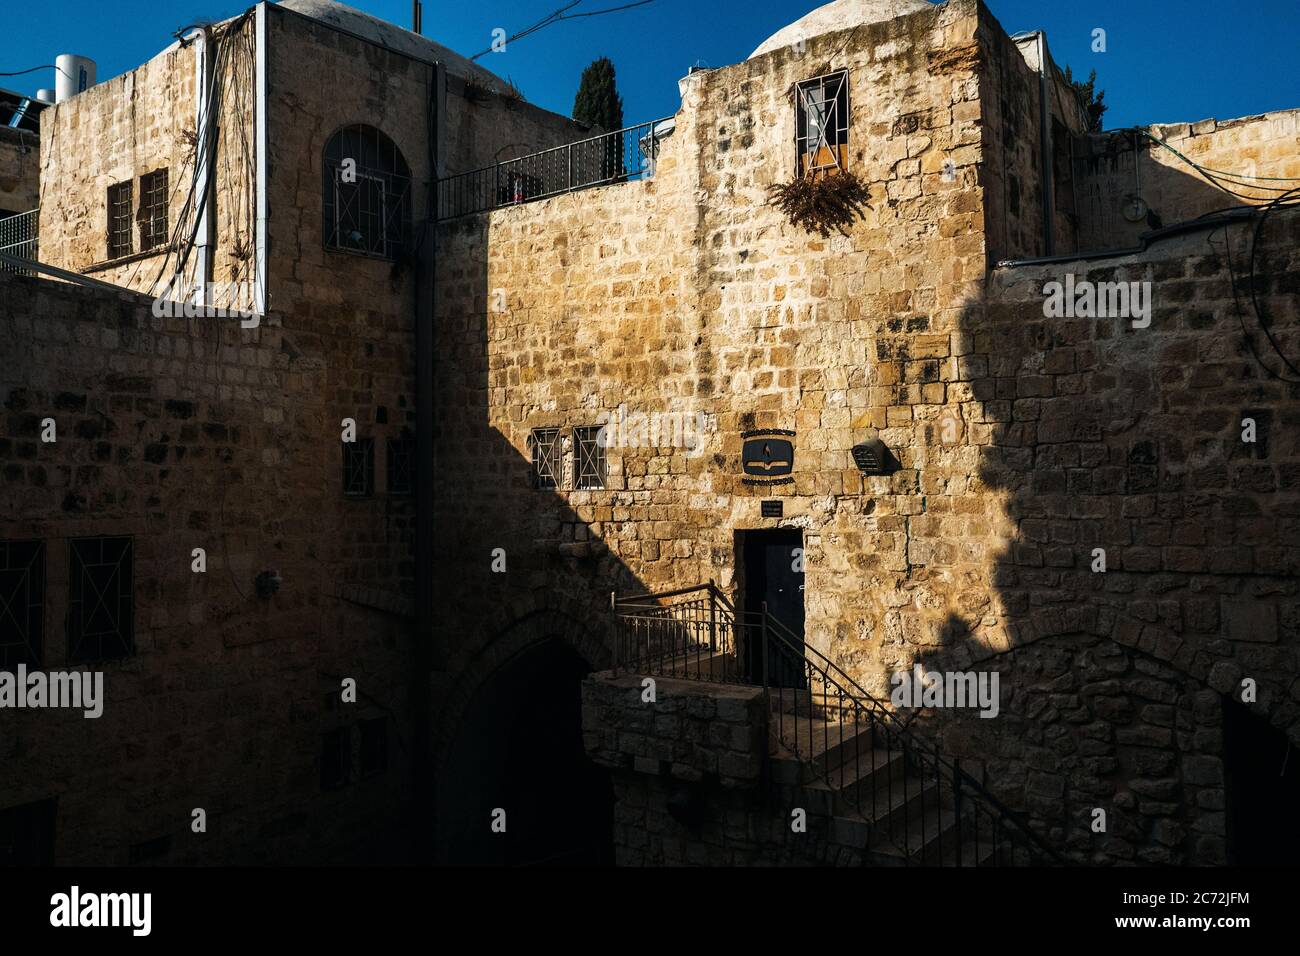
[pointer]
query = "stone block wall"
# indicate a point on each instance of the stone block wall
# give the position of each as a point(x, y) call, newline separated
point(1020, 442)
point(19, 170)
point(1114, 166)
point(692, 780)
point(185, 434)
point(686, 293)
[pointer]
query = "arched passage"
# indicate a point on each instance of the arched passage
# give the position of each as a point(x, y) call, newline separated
point(518, 747)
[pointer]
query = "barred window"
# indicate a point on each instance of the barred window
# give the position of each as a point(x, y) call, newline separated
point(153, 210)
point(547, 467)
point(359, 467)
point(367, 193)
point(590, 451)
point(822, 123)
point(22, 603)
point(101, 609)
point(119, 220)
point(401, 466)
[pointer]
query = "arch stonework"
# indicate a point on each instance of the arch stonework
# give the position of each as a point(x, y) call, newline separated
point(1195, 656)
point(514, 627)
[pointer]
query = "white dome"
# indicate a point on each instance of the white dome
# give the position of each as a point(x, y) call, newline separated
point(838, 15)
point(393, 37)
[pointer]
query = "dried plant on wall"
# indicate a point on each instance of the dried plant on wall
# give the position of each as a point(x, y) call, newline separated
point(821, 203)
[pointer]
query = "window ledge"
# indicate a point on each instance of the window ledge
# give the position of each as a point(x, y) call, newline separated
point(127, 260)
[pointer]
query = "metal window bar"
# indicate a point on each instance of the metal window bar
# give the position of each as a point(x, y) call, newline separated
point(22, 603)
point(101, 607)
point(358, 467)
point(624, 155)
point(401, 457)
point(120, 230)
point(153, 210)
point(367, 193)
point(546, 455)
point(592, 466)
point(822, 122)
point(921, 807)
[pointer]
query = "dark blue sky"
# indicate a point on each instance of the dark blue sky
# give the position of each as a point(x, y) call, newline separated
point(1165, 61)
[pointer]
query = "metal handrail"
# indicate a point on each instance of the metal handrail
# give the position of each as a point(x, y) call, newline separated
point(595, 161)
point(700, 638)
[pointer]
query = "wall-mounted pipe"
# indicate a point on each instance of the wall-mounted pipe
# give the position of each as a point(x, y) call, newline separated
point(1045, 142)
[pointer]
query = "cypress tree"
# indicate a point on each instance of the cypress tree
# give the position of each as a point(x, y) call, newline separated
point(598, 102)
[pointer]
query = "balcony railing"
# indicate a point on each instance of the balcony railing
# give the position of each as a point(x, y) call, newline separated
point(621, 156)
point(18, 235)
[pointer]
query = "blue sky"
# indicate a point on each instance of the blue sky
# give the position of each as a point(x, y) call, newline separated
point(1165, 61)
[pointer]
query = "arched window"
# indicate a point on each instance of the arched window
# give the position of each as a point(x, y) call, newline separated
point(366, 193)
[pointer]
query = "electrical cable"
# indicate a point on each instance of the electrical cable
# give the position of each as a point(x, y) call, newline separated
point(47, 66)
point(558, 16)
point(1262, 216)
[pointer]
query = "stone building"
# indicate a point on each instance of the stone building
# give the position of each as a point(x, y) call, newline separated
point(618, 419)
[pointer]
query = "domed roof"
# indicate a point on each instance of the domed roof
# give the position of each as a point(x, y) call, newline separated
point(393, 37)
point(838, 15)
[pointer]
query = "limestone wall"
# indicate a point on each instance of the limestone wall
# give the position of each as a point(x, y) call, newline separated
point(19, 170)
point(116, 131)
point(193, 434)
point(687, 293)
point(1122, 164)
point(1020, 442)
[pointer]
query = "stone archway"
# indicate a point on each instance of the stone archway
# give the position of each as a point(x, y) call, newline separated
point(510, 739)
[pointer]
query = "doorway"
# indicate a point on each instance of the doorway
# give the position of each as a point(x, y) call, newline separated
point(1262, 780)
point(771, 563)
point(519, 749)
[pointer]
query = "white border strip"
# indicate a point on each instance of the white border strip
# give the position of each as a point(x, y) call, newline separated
point(259, 110)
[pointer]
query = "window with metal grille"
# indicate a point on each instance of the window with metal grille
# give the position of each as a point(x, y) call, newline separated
point(22, 603)
point(401, 465)
point(822, 123)
point(101, 609)
point(336, 758)
point(359, 467)
point(27, 834)
point(153, 210)
point(367, 193)
point(119, 220)
point(590, 451)
point(547, 467)
point(374, 746)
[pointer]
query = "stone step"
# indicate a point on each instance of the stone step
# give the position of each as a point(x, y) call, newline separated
point(881, 793)
point(821, 743)
point(696, 663)
point(925, 840)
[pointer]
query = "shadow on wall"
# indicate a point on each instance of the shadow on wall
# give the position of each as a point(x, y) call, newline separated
point(522, 582)
point(1112, 442)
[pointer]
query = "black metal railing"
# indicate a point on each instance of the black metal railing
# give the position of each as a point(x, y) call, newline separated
point(18, 237)
point(918, 806)
point(621, 156)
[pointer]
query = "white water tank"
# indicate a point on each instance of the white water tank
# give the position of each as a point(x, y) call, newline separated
point(72, 75)
point(45, 96)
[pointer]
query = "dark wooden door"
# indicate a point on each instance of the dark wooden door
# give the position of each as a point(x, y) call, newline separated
point(773, 563)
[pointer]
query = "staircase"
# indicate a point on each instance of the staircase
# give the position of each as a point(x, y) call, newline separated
point(875, 792)
point(886, 790)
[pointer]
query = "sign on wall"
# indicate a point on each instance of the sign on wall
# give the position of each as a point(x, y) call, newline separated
point(768, 456)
